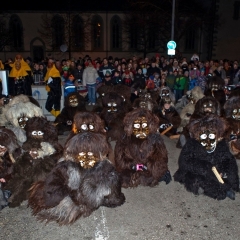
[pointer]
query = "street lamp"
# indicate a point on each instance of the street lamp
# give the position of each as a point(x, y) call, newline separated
point(173, 19)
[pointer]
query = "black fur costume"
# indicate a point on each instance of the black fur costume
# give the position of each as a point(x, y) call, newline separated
point(75, 189)
point(195, 162)
point(113, 113)
point(42, 152)
point(140, 155)
point(232, 113)
point(73, 103)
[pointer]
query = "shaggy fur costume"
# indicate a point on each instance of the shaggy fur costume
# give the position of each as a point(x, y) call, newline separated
point(145, 101)
point(10, 151)
point(113, 113)
point(232, 114)
point(195, 163)
point(19, 112)
point(90, 122)
point(215, 87)
point(200, 110)
point(42, 151)
point(73, 104)
point(71, 191)
point(12, 101)
point(149, 153)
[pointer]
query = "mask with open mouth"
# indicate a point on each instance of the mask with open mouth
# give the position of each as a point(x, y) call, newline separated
point(208, 140)
point(73, 101)
point(86, 159)
point(140, 128)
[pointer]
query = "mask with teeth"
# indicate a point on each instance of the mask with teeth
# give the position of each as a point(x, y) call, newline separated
point(140, 128)
point(236, 114)
point(86, 159)
point(208, 140)
point(112, 107)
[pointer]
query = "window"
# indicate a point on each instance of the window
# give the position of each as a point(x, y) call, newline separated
point(77, 33)
point(97, 33)
point(16, 31)
point(116, 33)
point(58, 31)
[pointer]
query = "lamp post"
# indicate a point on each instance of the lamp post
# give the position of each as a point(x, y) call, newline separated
point(173, 19)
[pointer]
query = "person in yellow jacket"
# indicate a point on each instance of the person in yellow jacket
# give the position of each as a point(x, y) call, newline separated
point(54, 87)
point(1, 65)
point(20, 77)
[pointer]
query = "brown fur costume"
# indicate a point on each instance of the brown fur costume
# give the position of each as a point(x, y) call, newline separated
point(209, 102)
point(232, 112)
point(72, 190)
point(42, 151)
point(206, 149)
point(73, 103)
point(89, 122)
point(145, 101)
point(141, 161)
point(113, 113)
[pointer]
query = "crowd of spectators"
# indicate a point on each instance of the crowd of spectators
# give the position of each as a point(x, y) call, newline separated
point(180, 75)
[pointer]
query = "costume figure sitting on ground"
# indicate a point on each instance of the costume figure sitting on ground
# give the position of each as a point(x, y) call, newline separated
point(168, 116)
point(232, 114)
point(205, 162)
point(81, 182)
point(140, 155)
point(41, 153)
point(74, 103)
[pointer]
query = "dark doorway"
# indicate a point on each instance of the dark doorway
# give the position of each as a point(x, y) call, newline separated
point(38, 53)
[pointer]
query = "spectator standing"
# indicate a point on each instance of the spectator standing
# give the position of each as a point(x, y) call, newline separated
point(90, 76)
point(106, 67)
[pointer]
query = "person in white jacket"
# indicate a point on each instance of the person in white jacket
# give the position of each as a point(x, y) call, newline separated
point(89, 79)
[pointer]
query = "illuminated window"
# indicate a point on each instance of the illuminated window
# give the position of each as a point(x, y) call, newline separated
point(97, 33)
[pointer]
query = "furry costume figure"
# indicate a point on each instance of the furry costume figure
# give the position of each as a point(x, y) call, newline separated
point(166, 92)
point(87, 122)
point(168, 116)
point(204, 150)
point(144, 101)
point(140, 155)
point(19, 114)
point(8, 102)
point(10, 151)
point(232, 113)
point(113, 113)
point(192, 96)
point(215, 87)
point(205, 106)
point(79, 184)
point(90, 122)
point(42, 152)
point(73, 103)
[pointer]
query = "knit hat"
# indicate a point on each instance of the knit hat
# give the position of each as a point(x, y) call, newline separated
point(151, 77)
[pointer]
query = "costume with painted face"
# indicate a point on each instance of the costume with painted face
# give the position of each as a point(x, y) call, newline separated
point(208, 107)
point(73, 101)
point(22, 121)
point(140, 128)
point(208, 140)
point(86, 159)
point(112, 107)
point(86, 128)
